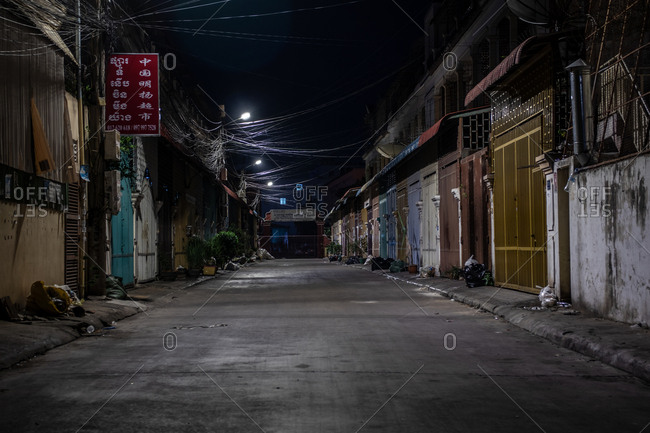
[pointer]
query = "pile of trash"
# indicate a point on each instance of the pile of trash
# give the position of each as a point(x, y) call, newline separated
point(353, 260)
point(381, 263)
point(476, 274)
point(428, 271)
point(397, 266)
point(53, 300)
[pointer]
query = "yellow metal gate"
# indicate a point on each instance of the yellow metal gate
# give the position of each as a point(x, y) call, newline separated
point(519, 208)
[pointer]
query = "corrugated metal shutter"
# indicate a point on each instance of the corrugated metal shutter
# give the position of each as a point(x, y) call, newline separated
point(72, 238)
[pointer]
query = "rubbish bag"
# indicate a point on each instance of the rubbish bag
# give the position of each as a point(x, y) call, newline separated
point(114, 288)
point(397, 266)
point(47, 300)
point(368, 261)
point(352, 260)
point(475, 273)
point(547, 297)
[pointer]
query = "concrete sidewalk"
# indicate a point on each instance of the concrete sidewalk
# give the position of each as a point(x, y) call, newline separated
point(20, 341)
point(621, 345)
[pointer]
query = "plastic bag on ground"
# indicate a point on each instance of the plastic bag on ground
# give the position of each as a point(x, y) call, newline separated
point(547, 297)
point(368, 261)
point(471, 261)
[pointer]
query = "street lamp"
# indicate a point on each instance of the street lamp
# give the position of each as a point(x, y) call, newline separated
point(269, 183)
point(245, 116)
point(258, 162)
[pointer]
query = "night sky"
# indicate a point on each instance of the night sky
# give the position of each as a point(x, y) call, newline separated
point(279, 58)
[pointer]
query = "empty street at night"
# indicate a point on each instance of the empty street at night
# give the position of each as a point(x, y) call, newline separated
point(311, 346)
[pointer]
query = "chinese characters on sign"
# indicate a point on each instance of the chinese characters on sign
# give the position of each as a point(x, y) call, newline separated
point(132, 94)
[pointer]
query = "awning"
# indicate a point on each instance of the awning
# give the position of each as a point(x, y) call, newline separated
point(515, 58)
point(421, 140)
point(366, 185)
point(431, 132)
point(400, 156)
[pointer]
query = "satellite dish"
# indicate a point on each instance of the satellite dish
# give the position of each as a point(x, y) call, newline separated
point(534, 12)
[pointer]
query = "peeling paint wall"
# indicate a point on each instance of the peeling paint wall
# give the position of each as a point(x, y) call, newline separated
point(610, 246)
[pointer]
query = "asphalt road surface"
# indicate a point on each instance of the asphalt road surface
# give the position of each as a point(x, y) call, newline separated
point(308, 346)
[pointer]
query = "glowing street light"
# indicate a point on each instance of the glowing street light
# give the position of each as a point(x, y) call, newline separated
point(258, 162)
point(245, 116)
point(269, 183)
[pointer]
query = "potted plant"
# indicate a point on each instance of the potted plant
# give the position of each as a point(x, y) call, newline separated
point(224, 245)
point(196, 252)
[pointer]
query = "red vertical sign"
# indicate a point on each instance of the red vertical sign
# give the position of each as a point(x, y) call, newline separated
point(132, 103)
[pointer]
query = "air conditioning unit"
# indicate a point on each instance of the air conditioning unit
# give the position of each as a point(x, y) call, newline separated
point(112, 145)
point(112, 186)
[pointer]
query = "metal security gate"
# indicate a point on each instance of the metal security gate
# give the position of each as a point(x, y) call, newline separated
point(383, 226)
point(519, 208)
point(146, 228)
point(414, 225)
point(392, 220)
point(430, 218)
point(449, 227)
point(401, 222)
point(72, 238)
point(122, 237)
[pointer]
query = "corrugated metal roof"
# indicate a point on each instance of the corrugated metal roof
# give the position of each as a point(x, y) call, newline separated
point(515, 58)
point(499, 71)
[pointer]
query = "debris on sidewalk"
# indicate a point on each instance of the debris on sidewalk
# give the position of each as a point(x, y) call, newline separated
point(232, 266)
point(114, 288)
point(353, 260)
point(264, 255)
point(397, 266)
point(547, 297)
point(8, 310)
point(476, 274)
point(48, 300)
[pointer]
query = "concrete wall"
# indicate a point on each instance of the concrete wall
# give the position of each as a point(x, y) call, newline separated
point(32, 249)
point(610, 246)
